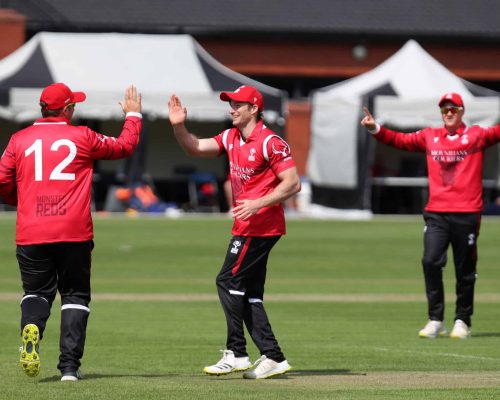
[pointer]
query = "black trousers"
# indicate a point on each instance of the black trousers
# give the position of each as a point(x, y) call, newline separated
point(46, 269)
point(240, 285)
point(461, 230)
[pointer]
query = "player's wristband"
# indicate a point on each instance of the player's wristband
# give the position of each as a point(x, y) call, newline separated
point(133, 114)
point(376, 130)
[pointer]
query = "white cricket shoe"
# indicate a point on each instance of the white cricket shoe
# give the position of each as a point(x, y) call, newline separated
point(460, 330)
point(266, 368)
point(227, 364)
point(71, 376)
point(432, 330)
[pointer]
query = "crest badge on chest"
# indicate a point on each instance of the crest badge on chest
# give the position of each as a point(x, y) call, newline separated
point(251, 157)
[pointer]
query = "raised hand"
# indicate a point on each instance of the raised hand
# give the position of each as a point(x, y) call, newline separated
point(368, 121)
point(132, 101)
point(176, 113)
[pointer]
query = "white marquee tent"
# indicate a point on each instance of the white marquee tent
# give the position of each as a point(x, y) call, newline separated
point(403, 91)
point(104, 64)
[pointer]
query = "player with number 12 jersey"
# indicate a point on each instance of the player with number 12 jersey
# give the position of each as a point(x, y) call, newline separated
point(54, 164)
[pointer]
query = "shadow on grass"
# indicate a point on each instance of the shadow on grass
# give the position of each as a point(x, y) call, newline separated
point(326, 372)
point(292, 374)
point(485, 334)
point(88, 377)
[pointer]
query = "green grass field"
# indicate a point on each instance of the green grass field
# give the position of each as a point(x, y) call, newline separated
point(345, 299)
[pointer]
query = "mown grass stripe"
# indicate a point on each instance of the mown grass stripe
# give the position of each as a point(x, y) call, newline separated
point(334, 298)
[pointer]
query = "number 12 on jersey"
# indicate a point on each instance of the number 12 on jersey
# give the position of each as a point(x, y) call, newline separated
point(56, 174)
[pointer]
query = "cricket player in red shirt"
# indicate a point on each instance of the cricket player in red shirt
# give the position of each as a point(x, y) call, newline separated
point(263, 175)
point(46, 170)
point(453, 213)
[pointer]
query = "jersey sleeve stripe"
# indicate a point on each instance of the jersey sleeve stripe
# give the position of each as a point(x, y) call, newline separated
point(224, 138)
point(264, 146)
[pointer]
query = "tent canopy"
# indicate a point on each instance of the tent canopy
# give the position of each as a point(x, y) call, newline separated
point(403, 91)
point(104, 64)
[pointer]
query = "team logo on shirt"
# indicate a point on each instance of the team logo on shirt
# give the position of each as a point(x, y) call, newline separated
point(251, 157)
point(236, 247)
point(436, 139)
point(103, 138)
point(465, 139)
point(283, 149)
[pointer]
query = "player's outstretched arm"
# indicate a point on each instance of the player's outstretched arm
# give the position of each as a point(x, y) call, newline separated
point(132, 101)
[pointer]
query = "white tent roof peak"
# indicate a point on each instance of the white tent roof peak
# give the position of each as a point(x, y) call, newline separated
point(411, 71)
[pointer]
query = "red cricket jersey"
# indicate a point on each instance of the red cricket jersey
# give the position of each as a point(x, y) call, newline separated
point(253, 166)
point(454, 163)
point(50, 163)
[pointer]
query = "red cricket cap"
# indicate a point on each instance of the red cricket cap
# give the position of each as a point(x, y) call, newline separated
point(58, 95)
point(245, 94)
point(454, 98)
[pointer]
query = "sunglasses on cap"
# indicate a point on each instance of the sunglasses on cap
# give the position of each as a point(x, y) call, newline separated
point(452, 109)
